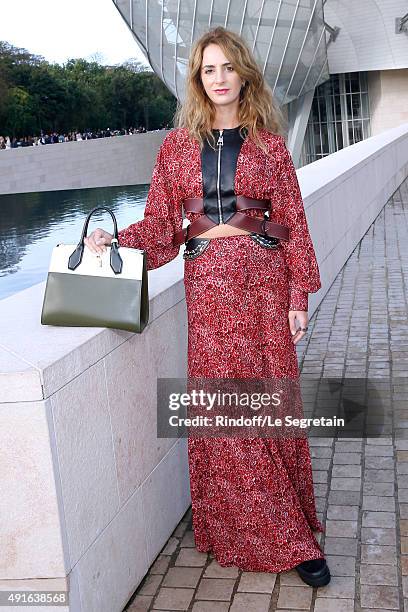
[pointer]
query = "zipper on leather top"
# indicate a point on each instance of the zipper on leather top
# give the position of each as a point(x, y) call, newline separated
point(220, 143)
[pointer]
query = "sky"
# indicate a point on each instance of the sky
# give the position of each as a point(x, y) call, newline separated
point(63, 29)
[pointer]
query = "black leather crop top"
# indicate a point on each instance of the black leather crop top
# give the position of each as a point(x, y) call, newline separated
point(219, 198)
point(218, 169)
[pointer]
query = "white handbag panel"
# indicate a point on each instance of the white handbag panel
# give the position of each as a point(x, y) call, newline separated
point(98, 264)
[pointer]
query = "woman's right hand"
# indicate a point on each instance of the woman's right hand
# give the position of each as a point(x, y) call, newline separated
point(98, 240)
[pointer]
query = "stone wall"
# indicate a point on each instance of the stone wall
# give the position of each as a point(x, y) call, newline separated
point(103, 162)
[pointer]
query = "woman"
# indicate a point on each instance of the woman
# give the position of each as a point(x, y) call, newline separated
point(246, 282)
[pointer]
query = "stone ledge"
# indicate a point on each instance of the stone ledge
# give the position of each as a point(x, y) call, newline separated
point(36, 360)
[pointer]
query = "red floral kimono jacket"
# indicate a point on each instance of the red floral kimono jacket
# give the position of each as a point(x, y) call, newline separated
point(252, 498)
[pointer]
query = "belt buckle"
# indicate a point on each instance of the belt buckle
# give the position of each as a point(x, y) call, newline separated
point(186, 238)
point(263, 226)
point(271, 241)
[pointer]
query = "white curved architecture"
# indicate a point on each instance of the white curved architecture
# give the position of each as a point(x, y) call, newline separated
point(367, 38)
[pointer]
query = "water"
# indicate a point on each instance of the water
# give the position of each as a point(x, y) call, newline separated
point(32, 224)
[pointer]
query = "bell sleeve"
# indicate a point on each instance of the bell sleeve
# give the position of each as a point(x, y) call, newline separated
point(162, 216)
point(300, 257)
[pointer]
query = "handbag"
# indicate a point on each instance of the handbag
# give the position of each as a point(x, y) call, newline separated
point(86, 289)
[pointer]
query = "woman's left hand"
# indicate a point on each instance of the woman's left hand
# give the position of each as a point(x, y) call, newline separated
point(300, 317)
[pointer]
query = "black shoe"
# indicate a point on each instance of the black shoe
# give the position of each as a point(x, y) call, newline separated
point(314, 572)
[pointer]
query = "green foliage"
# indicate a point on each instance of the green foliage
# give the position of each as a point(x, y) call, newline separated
point(36, 95)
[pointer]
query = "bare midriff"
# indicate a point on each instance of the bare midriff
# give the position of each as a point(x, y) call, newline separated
point(223, 230)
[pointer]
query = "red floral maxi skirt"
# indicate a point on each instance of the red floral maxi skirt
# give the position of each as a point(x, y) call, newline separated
point(253, 502)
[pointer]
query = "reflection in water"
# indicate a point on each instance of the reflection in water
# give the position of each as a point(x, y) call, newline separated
point(31, 224)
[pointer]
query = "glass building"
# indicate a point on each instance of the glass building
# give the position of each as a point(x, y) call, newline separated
point(339, 116)
point(338, 70)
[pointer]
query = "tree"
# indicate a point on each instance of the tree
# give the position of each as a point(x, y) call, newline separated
point(19, 111)
point(80, 94)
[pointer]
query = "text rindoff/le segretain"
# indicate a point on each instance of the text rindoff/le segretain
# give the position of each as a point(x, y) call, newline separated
point(255, 420)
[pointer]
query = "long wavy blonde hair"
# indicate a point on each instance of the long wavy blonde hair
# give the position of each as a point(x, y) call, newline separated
point(257, 107)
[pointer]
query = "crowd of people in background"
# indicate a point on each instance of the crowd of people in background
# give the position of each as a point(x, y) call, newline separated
point(55, 137)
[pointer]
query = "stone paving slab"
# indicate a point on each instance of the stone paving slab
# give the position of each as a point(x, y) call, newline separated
point(360, 331)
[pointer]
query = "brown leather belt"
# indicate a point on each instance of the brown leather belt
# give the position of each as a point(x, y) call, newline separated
point(195, 205)
point(239, 220)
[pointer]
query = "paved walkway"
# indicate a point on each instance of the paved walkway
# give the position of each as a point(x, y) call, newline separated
point(361, 485)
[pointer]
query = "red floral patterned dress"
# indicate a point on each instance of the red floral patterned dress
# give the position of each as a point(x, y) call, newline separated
point(252, 498)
